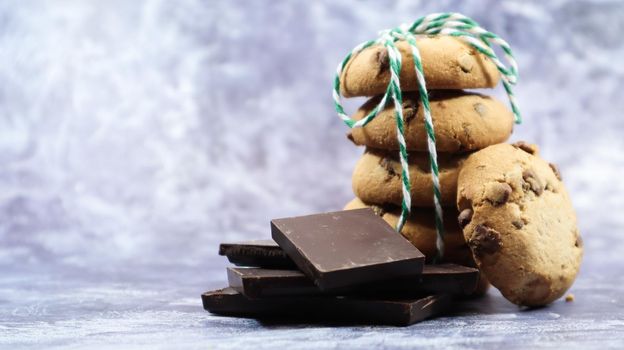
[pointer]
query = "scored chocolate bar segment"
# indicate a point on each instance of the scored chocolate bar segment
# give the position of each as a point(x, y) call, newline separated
point(261, 253)
point(260, 283)
point(449, 278)
point(398, 311)
point(346, 248)
point(435, 279)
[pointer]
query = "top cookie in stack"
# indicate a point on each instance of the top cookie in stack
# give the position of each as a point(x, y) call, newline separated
point(463, 122)
point(448, 63)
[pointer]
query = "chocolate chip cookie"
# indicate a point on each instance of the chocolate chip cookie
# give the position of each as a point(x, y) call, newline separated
point(448, 63)
point(462, 121)
point(377, 178)
point(519, 223)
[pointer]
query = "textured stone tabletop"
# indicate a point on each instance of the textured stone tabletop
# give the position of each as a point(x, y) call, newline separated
point(160, 307)
point(137, 135)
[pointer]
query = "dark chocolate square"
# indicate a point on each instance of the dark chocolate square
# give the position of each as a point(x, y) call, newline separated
point(345, 248)
point(260, 253)
point(435, 279)
point(398, 311)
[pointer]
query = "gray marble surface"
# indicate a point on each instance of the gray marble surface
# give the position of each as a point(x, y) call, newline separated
point(159, 307)
point(136, 135)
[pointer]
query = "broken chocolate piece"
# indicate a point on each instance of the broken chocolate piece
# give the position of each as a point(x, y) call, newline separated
point(435, 279)
point(346, 248)
point(260, 253)
point(485, 240)
point(396, 310)
point(260, 283)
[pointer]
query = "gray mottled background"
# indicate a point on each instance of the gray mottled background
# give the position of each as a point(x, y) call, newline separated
point(136, 135)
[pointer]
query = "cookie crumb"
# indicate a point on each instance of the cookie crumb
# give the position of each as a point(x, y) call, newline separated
point(569, 298)
point(378, 210)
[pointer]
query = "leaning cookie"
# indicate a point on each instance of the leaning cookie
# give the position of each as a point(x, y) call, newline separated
point(519, 222)
point(377, 178)
point(448, 63)
point(462, 121)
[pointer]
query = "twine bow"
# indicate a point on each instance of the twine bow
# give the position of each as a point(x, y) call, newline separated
point(453, 24)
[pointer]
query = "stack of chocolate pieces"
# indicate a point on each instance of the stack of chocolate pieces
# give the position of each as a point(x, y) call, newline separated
point(348, 266)
point(464, 122)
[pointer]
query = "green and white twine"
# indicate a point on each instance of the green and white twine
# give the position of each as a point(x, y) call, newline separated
point(452, 24)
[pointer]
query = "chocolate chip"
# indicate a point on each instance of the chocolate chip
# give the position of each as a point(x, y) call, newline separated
point(527, 147)
point(532, 182)
point(464, 217)
point(579, 241)
point(409, 103)
point(466, 62)
point(408, 115)
point(555, 170)
point(350, 137)
point(383, 60)
point(497, 193)
point(466, 127)
point(410, 109)
point(387, 165)
point(480, 108)
point(485, 240)
point(519, 223)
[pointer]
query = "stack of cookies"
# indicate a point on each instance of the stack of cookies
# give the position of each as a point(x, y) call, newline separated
point(463, 121)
